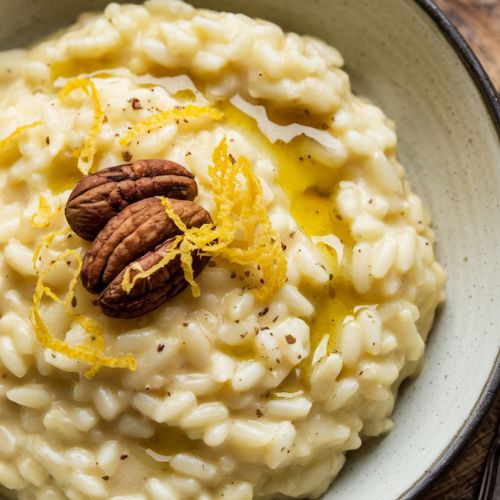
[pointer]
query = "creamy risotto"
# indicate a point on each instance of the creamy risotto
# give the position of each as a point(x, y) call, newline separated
point(287, 350)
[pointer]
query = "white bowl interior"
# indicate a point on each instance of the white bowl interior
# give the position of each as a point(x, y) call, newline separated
point(397, 57)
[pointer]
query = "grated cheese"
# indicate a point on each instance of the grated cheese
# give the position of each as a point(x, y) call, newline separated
point(87, 153)
point(160, 119)
point(238, 207)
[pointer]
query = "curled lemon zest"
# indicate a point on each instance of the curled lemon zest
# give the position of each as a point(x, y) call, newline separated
point(17, 133)
point(160, 119)
point(241, 232)
point(41, 218)
point(92, 352)
point(87, 153)
point(46, 242)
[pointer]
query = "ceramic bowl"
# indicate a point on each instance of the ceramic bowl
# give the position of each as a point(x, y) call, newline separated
point(407, 58)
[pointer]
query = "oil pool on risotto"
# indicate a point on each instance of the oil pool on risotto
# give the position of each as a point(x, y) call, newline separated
point(214, 275)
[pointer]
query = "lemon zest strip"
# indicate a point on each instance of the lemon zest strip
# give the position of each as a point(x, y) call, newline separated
point(92, 354)
point(41, 218)
point(18, 132)
point(46, 242)
point(159, 120)
point(239, 207)
point(87, 153)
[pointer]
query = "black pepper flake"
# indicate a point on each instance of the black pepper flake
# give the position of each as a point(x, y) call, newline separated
point(233, 275)
point(160, 347)
point(259, 413)
point(185, 325)
point(47, 140)
point(264, 311)
point(135, 103)
point(106, 478)
point(73, 301)
point(123, 457)
point(275, 319)
point(290, 339)
point(126, 155)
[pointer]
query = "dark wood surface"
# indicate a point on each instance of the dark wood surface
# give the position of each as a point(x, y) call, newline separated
point(463, 479)
point(479, 23)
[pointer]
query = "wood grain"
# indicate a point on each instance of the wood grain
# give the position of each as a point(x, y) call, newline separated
point(479, 23)
point(463, 479)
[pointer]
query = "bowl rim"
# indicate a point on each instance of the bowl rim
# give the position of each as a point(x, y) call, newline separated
point(491, 100)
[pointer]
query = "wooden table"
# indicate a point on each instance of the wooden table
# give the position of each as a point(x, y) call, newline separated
point(479, 23)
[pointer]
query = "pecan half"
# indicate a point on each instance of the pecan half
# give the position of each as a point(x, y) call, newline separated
point(135, 231)
point(148, 293)
point(99, 197)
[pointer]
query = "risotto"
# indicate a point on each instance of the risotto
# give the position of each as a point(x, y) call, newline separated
point(319, 284)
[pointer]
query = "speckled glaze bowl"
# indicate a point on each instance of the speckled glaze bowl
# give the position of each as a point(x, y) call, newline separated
point(407, 58)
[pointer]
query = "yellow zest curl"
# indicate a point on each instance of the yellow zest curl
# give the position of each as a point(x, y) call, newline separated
point(17, 133)
point(92, 352)
point(46, 242)
point(241, 232)
point(41, 218)
point(160, 119)
point(87, 153)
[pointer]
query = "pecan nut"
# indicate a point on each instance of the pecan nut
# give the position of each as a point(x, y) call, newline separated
point(148, 293)
point(99, 197)
point(138, 229)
